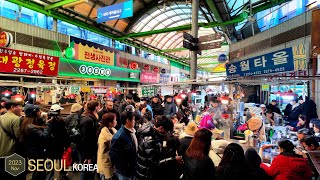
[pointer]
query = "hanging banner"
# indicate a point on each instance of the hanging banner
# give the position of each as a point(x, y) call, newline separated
point(22, 62)
point(149, 77)
point(91, 54)
point(289, 59)
point(116, 11)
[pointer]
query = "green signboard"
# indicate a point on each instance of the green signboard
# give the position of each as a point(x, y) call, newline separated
point(83, 69)
point(148, 91)
point(75, 89)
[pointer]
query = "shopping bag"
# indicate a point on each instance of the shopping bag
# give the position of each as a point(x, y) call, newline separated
point(67, 157)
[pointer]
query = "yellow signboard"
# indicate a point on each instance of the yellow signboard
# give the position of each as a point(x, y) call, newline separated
point(85, 89)
point(93, 55)
point(265, 87)
point(219, 68)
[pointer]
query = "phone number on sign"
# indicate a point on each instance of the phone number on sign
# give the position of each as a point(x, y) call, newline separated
point(21, 70)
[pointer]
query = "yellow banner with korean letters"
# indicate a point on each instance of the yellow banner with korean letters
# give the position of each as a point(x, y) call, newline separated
point(91, 54)
point(299, 57)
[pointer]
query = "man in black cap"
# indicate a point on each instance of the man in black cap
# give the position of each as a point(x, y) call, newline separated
point(273, 107)
point(126, 102)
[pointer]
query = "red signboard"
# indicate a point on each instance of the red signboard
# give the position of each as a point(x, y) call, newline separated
point(22, 62)
point(146, 67)
point(5, 39)
point(134, 65)
point(156, 69)
point(149, 77)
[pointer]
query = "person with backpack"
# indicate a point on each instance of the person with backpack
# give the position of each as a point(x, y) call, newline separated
point(151, 139)
point(73, 133)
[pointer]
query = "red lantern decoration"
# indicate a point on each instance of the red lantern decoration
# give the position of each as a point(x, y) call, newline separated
point(6, 93)
point(93, 97)
point(18, 97)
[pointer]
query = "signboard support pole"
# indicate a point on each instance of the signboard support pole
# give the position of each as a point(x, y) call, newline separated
point(194, 32)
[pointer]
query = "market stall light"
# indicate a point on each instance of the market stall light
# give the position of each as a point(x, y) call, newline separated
point(33, 94)
point(17, 97)
point(183, 95)
point(178, 99)
point(224, 100)
point(6, 93)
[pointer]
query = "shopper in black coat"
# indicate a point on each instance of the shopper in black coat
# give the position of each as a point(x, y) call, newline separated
point(198, 164)
point(309, 108)
point(88, 144)
point(254, 160)
point(157, 109)
point(34, 138)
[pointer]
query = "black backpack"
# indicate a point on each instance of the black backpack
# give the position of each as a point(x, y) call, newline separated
point(73, 128)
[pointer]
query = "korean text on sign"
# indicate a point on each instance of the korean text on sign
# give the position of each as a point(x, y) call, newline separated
point(279, 61)
point(21, 62)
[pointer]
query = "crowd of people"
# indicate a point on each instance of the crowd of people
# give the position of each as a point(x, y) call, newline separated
point(141, 139)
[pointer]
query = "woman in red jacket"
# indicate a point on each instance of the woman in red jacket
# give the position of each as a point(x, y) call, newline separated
point(288, 165)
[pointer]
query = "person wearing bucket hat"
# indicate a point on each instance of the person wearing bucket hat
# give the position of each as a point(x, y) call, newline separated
point(256, 125)
point(72, 123)
point(189, 132)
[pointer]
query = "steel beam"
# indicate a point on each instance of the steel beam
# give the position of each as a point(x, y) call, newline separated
point(59, 4)
point(201, 57)
point(173, 50)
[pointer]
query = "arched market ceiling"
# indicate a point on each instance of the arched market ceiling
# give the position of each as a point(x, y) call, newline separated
point(149, 15)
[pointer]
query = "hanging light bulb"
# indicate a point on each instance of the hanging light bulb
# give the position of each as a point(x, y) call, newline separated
point(33, 94)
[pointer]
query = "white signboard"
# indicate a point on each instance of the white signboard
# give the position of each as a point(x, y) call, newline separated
point(166, 90)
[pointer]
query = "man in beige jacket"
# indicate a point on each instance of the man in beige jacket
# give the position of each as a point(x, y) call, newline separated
point(9, 133)
point(9, 128)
